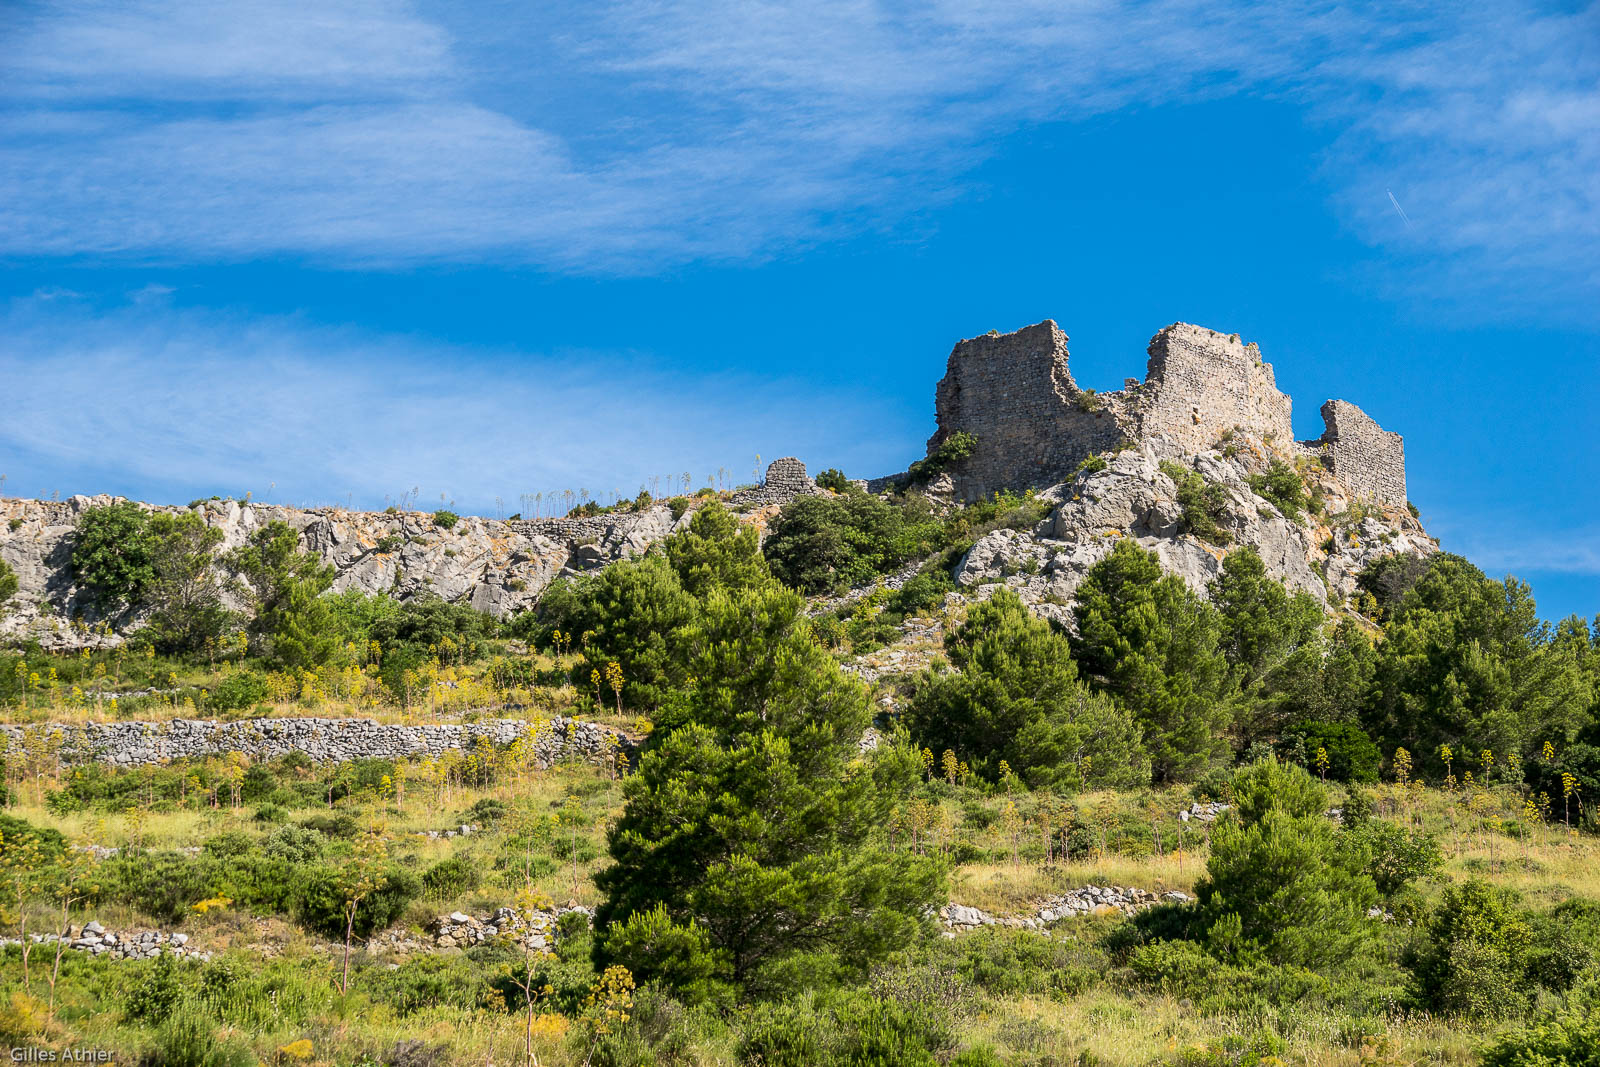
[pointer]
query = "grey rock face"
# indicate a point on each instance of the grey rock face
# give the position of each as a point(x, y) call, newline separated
point(499, 567)
point(1133, 498)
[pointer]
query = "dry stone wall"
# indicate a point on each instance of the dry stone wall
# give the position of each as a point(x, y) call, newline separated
point(130, 744)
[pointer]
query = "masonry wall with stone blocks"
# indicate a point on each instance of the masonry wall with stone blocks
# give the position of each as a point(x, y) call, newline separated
point(1201, 384)
point(1015, 394)
point(1363, 455)
point(129, 744)
point(1034, 425)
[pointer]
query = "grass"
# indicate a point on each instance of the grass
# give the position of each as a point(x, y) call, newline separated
point(1111, 1023)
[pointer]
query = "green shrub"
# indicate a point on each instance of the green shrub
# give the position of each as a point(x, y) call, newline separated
point(925, 591)
point(1203, 504)
point(156, 988)
point(1175, 968)
point(111, 553)
point(1564, 1035)
point(833, 478)
point(14, 832)
point(187, 1039)
point(450, 878)
point(487, 811)
point(678, 505)
point(951, 451)
point(1021, 963)
point(428, 981)
point(1352, 756)
point(1474, 958)
point(1395, 856)
point(320, 906)
point(445, 519)
point(1278, 886)
point(1091, 465)
point(294, 844)
point(820, 544)
point(655, 948)
point(1281, 484)
point(229, 843)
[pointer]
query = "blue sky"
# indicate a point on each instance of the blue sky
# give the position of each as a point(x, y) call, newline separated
point(331, 253)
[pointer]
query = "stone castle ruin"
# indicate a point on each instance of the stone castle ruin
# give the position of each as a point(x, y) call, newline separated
point(1015, 393)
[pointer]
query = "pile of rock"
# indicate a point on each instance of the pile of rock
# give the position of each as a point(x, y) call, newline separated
point(460, 930)
point(96, 940)
point(1090, 900)
point(106, 852)
point(464, 830)
point(1208, 812)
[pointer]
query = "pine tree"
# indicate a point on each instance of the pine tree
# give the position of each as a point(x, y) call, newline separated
point(755, 819)
point(1150, 641)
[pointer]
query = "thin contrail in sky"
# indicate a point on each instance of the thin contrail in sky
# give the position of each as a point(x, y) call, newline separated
point(1398, 208)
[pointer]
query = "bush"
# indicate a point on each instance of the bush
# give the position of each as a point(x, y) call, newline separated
point(187, 1039)
point(445, 519)
point(162, 884)
point(294, 844)
point(1174, 968)
point(1281, 484)
point(1204, 505)
point(1352, 756)
point(1395, 856)
point(428, 981)
point(654, 948)
point(450, 877)
point(1277, 883)
point(229, 843)
point(238, 691)
point(111, 553)
point(1021, 963)
point(833, 478)
point(14, 832)
point(1566, 1035)
point(925, 591)
point(321, 901)
point(1474, 959)
point(487, 811)
point(949, 452)
point(820, 544)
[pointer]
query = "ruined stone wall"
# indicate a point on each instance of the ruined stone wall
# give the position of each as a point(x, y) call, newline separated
point(1034, 425)
point(1201, 384)
point(1363, 455)
point(129, 744)
point(1015, 393)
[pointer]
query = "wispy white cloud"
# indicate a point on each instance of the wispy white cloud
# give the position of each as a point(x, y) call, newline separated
point(186, 402)
point(635, 133)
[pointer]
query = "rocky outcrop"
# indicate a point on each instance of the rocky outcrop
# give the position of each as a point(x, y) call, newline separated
point(1133, 497)
point(129, 744)
point(497, 566)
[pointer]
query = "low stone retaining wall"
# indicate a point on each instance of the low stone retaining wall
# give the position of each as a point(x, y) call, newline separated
point(1090, 900)
point(130, 744)
point(98, 941)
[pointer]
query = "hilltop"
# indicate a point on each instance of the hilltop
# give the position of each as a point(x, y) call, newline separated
point(1195, 460)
